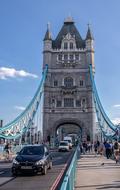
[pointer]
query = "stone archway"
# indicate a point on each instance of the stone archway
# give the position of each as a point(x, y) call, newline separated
point(68, 123)
point(51, 133)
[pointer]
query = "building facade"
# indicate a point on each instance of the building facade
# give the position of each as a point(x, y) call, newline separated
point(68, 96)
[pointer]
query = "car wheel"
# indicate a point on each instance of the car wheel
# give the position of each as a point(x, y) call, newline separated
point(14, 173)
point(50, 165)
point(44, 171)
point(35, 172)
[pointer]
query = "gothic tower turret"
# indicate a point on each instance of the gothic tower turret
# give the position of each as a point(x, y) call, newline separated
point(47, 46)
point(89, 41)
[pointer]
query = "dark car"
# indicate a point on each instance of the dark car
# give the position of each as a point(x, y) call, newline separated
point(33, 158)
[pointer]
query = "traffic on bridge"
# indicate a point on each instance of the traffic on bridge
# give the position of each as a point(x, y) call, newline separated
point(63, 139)
point(30, 180)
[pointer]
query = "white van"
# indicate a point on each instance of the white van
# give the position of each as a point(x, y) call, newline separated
point(63, 146)
point(68, 139)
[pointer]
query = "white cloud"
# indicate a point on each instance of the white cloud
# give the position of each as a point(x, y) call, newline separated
point(6, 72)
point(116, 106)
point(21, 108)
point(116, 121)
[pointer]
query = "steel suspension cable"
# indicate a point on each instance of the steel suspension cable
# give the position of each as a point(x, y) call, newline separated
point(20, 125)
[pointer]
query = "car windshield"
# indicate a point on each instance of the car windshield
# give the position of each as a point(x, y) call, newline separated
point(63, 144)
point(32, 150)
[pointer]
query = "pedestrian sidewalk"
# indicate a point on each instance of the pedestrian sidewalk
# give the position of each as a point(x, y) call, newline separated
point(97, 172)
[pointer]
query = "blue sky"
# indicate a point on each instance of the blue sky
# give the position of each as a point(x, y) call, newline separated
point(22, 28)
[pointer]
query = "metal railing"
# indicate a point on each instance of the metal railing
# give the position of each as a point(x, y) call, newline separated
point(69, 178)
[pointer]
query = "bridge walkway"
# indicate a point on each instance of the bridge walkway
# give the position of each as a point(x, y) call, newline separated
point(97, 172)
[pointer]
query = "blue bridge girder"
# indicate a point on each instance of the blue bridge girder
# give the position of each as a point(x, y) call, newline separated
point(108, 129)
point(19, 126)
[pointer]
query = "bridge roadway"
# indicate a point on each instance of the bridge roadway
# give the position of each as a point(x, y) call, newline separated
point(30, 182)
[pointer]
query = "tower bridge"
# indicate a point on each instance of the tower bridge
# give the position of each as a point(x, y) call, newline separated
point(67, 89)
point(70, 98)
point(66, 102)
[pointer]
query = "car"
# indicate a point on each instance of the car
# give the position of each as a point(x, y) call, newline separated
point(69, 142)
point(69, 139)
point(63, 146)
point(33, 158)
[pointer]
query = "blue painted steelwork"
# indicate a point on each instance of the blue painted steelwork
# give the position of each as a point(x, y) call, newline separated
point(107, 127)
point(69, 179)
point(18, 126)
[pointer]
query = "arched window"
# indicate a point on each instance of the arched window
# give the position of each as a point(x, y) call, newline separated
point(68, 82)
point(65, 57)
point(55, 83)
point(71, 57)
point(60, 57)
point(65, 45)
point(81, 83)
point(58, 103)
point(71, 45)
point(77, 57)
point(78, 103)
point(68, 102)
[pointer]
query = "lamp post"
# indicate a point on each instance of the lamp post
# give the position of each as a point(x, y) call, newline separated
point(1, 125)
point(118, 132)
point(31, 130)
point(63, 131)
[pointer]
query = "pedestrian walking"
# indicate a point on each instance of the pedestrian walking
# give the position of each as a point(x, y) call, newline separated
point(7, 151)
point(84, 145)
point(95, 147)
point(101, 149)
point(116, 151)
point(89, 147)
point(107, 149)
point(117, 156)
point(81, 148)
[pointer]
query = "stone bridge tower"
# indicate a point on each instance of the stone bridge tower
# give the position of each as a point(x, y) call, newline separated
point(68, 97)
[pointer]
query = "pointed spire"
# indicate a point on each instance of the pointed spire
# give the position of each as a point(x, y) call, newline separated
point(69, 20)
point(89, 35)
point(48, 34)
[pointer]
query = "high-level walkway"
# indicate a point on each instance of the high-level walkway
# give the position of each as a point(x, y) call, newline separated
point(97, 172)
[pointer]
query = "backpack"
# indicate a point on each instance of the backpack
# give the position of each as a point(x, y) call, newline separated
point(116, 146)
point(6, 147)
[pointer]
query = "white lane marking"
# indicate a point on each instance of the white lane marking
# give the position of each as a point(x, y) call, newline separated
point(4, 179)
point(5, 165)
point(57, 158)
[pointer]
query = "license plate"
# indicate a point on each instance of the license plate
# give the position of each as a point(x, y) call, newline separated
point(26, 167)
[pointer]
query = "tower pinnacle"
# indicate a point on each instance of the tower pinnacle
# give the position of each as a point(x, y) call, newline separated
point(68, 20)
point(48, 34)
point(89, 35)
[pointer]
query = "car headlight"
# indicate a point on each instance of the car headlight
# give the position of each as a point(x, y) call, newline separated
point(39, 162)
point(15, 161)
